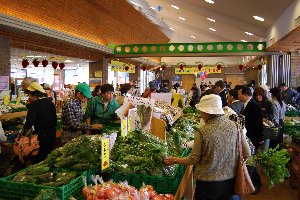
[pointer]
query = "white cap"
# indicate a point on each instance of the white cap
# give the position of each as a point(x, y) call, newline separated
point(211, 104)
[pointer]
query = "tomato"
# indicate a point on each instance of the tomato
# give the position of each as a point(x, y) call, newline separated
point(111, 193)
point(88, 190)
point(150, 187)
point(152, 194)
point(101, 193)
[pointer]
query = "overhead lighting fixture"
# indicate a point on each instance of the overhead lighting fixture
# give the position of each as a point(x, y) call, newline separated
point(210, 1)
point(34, 56)
point(171, 29)
point(212, 29)
point(248, 33)
point(243, 40)
point(210, 19)
point(176, 7)
point(68, 61)
point(193, 36)
point(259, 18)
point(152, 8)
point(182, 18)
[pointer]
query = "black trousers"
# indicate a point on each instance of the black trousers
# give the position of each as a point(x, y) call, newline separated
point(214, 190)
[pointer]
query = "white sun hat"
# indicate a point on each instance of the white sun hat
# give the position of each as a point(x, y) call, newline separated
point(211, 104)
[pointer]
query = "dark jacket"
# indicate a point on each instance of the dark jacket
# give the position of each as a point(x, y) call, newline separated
point(195, 99)
point(267, 110)
point(289, 96)
point(163, 90)
point(237, 107)
point(253, 122)
point(223, 96)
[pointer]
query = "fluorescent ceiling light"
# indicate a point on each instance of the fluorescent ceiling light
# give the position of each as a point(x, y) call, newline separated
point(34, 56)
point(152, 8)
point(243, 40)
point(68, 61)
point(176, 7)
point(210, 19)
point(193, 36)
point(171, 29)
point(212, 29)
point(259, 18)
point(210, 1)
point(248, 33)
point(182, 18)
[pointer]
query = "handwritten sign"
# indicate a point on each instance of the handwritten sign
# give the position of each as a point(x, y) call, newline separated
point(121, 67)
point(105, 153)
point(98, 74)
point(192, 70)
point(124, 128)
point(4, 83)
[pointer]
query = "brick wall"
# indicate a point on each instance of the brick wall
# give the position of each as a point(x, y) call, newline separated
point(295, 70)
point(4, 57)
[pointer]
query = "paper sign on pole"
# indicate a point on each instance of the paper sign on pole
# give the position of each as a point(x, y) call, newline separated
point(4, 83)
point(124, 127)
point(105, 153)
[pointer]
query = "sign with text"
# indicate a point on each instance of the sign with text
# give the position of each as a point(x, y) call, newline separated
point(192, 70)
point(4, 83)
point(98, 74)
point(121, 67)
point(105, 153)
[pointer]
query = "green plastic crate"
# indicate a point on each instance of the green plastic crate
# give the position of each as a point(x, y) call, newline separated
point(132, 179)
point(16, 190)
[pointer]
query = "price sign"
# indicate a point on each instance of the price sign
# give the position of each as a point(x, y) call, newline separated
point(124, 127)
point(6, 100)
point(105, 153)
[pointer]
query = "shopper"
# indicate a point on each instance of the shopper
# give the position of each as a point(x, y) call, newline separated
point(264, 103)
point(50, 93)
point(195, 97)
point(164, 87)
point(26, 82)
point(126, 90)
point(288, 94)
point(97, 91)
point(41, 116)
point(152, 88)
point(72, 114)
point(101, 109)
point(279, 114)
point(221, 90)
point(254, 126)
point(215, 152)
point(234, 103)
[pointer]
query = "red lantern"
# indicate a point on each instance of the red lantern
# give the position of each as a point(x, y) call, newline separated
point(200, 66)
point(61, 65)
point(259, 66)
point(54, 65)
point(241, 67)
point(126, 68)
point(35, 62)
point(181, 66)
point(219, 66)
point(45, 63)
point(144, 68)
point(25, 63)
point(163, 67)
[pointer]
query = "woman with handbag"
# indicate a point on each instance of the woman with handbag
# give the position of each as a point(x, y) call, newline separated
point(215, 153)
point(42, 116)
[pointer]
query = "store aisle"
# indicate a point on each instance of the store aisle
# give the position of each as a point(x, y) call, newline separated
point(281, 191)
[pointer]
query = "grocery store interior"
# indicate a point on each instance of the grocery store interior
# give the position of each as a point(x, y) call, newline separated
point(150, 99)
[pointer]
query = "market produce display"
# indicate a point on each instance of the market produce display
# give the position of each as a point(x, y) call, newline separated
point(139, 152)
point(292, 128)
point(167, 111)
point(122, 191)
point(273, 163)
point(291, 111)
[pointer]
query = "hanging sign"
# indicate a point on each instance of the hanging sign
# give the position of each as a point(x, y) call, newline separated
point(192, 70)
point(105, 153)
point(122, 67)
point(98, 74)
point(4, 83)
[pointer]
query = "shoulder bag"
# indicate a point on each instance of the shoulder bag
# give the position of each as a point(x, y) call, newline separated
point(26, 146)
point(243, 184)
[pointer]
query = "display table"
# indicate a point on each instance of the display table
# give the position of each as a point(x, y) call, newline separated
point(294, 180)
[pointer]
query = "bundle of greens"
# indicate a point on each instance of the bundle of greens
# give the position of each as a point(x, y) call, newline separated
point(46, 195)
point(273, 163)
point(190, 109)
point(139, 153)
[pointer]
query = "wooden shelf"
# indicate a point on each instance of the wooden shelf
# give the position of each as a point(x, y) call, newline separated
point(13, 115)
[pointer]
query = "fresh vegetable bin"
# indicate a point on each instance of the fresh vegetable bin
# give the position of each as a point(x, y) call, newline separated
point(17, 190)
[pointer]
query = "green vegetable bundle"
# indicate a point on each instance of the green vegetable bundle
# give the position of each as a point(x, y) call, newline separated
point(190, 109)
point(140, 153)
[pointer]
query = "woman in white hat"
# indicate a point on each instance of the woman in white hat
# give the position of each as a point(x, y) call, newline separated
point(41, 115)
point(215, 152)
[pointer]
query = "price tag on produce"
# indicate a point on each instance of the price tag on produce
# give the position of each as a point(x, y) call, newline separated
point(105, 153)
point(19, 99)
point(124, 128)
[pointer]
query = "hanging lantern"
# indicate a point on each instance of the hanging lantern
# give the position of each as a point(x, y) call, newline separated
point(200, 66)
point(35, 62)
point(61, 65)
point(45, 63)
point(181, 66)
point(126, 68)
point(241, 67)
point(163, 67)
point(54, 65)
point(144, 68)
point(259, 66)
point(219, 66)
point(25, 63)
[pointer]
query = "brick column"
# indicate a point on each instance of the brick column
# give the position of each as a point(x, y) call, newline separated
point(4, 57)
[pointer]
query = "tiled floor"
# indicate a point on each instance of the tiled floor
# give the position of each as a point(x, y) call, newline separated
point(280, 191)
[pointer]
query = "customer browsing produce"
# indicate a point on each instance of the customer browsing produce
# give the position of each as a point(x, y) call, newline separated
point(215, 152)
